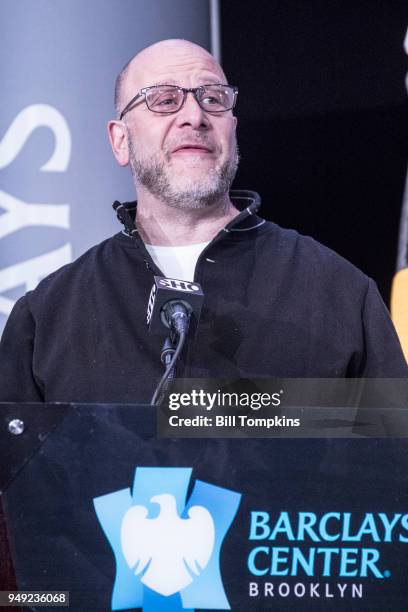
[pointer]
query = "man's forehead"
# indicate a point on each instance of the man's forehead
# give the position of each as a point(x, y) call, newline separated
point(166, 62)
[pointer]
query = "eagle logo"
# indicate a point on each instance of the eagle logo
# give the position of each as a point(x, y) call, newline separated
point(166, 537)
point(169, 550)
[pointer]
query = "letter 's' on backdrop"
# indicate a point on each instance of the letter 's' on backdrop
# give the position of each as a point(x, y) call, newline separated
point(58, 177)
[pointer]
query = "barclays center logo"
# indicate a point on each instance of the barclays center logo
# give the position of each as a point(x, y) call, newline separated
point(167, 547)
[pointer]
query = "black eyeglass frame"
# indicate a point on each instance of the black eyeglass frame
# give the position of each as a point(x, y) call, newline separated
point(193, 90)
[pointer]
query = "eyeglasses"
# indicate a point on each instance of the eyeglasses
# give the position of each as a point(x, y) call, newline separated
point(168, 99)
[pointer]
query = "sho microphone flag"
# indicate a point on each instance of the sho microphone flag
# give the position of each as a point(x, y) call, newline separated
point(167, 290)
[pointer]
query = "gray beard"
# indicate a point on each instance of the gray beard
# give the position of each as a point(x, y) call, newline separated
point(153, 175)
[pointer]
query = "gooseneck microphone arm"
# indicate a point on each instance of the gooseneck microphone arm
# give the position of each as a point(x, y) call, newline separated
point(178, 319)
point(169, 372)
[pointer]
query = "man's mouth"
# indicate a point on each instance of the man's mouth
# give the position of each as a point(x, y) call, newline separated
point(193, 148)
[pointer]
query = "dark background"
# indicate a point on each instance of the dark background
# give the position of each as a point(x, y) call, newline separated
point(322, 119)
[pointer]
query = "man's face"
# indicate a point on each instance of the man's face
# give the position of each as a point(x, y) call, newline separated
point(187, 159)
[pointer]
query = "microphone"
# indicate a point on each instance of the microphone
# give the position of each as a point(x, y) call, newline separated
point(174, 304)
point(177, 316)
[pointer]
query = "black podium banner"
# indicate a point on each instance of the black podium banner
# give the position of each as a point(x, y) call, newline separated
point(96, 505)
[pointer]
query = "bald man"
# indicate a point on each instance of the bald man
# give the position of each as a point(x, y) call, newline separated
point(276, 303)
point(183, 162)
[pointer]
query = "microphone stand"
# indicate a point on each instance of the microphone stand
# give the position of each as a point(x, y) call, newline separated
point(167, 351)
point(178, 318)
point(166, 356)
point(170, 352)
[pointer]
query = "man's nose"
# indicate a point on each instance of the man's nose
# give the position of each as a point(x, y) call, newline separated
point(192, 114)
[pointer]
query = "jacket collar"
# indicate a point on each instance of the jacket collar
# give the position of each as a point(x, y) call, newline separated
point(248, 202)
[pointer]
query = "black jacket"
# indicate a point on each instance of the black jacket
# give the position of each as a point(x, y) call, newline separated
point(276, 304)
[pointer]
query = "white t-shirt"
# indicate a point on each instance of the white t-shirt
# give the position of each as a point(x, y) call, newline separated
point(177, 261)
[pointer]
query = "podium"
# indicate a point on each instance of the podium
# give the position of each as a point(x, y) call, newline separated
point(286, 524)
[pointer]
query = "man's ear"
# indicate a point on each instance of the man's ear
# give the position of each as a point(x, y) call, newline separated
point(117, 134)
